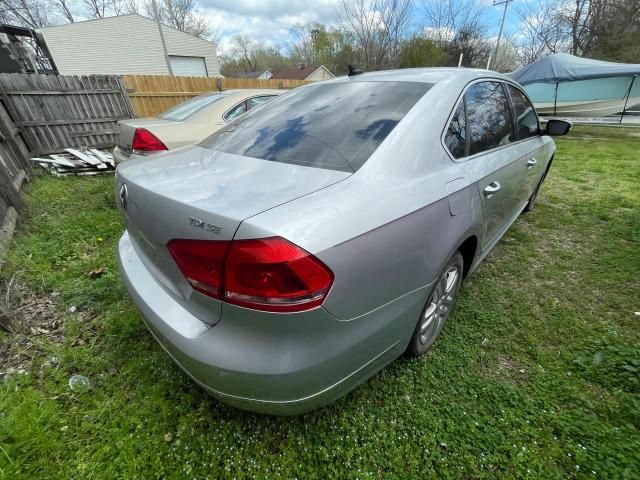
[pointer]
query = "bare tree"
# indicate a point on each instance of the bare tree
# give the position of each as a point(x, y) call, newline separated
point(457, 27)
point(541, 33)
point(306, 44)
point(181, 15)
point(125, 7)
point(507, 58)
point(550, 26)
point(63, 8)
point(443, 19)
point(246, 49)
point(472, 44)
point(576, 14)
point(99, 8)
point(378, 26)
point(28, 13)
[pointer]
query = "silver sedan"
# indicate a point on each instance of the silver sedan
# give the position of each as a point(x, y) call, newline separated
point(296, 252)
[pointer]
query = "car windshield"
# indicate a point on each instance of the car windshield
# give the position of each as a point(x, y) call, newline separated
point(184, 110)
point(334, 126)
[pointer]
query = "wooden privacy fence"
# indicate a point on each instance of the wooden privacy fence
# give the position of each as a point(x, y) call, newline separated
point(14, 169)
point(153, 94)
point(54, 112)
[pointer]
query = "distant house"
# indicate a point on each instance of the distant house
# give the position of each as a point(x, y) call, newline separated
point(313, 73)
point(260, 75)
point(128, 44)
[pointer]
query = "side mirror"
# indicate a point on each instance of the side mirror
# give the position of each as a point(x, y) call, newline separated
point(555, 128)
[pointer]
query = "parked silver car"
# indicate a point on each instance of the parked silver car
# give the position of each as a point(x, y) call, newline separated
point(296, 252)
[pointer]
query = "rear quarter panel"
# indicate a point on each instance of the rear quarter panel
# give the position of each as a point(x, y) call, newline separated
point(397, 258)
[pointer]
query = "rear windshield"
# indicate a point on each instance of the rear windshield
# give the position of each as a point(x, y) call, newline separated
point(184, 110)
point(335, 126)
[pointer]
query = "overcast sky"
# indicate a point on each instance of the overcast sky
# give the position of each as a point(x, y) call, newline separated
point(269, 21)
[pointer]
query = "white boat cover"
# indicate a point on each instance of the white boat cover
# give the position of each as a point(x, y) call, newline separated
point(563, 67)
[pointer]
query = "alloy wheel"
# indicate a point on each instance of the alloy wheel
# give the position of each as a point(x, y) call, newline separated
point(440, 304)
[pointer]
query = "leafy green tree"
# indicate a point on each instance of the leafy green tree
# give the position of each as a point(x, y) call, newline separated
point(421, 52)
point(615, 31)
point(318, 45)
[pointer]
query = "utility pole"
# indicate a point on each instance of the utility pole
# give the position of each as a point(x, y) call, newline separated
point(156, 13)
point(504, 14)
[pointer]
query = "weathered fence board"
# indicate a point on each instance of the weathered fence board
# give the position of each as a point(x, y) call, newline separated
point(153, 94)
point(54, 112)
point(14, 166)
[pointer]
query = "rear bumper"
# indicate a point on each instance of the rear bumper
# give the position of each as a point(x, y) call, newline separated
point(266, 362)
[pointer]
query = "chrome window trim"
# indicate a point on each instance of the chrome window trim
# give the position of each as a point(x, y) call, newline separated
point(224, 115)
point(513, 107)
point(453, 111)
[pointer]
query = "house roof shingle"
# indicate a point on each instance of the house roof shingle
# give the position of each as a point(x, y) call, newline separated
point(250, 74)
point(296, 73)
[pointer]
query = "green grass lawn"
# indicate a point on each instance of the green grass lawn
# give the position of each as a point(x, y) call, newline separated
point(555, 393)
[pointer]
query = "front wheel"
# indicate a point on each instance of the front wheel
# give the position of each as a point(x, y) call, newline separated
point(439, 304)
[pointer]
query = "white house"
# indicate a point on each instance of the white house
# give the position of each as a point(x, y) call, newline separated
point(259, 75)
point(128, 44)
point(311, 73)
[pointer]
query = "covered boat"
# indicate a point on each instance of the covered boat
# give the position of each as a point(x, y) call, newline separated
point(565, 85)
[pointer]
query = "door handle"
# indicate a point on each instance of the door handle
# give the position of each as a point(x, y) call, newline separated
point(490, 189)
point(531, 162)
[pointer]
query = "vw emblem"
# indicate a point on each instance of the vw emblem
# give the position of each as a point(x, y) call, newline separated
point(123, 196)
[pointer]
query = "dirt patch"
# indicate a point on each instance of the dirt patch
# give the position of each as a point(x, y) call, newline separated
point(505, 369)
point(33, 319)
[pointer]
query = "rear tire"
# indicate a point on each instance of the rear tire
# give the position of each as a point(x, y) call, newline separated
point(440, 303)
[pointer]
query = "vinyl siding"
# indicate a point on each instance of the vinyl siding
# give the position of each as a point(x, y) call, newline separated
point(129, 44)
point(179, 43)
point(320, 74)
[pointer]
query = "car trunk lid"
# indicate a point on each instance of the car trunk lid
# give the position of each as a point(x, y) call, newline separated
point(197, 193)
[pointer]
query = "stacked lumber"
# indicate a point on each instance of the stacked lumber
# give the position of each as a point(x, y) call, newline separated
point(75, 162)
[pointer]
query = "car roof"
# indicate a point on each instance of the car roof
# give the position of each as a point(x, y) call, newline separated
point(432, 75)
point(249, 92)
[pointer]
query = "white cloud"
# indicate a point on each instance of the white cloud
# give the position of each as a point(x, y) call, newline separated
point(267, 22)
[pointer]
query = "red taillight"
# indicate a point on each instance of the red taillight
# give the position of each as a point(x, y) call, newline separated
point(269, 274)
point(145, 141)
point(201, 262)
point(274, 274)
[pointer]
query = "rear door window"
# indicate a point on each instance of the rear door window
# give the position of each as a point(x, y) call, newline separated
point(235, 112)
point(526, 118)
point(456, 136)
point(335, 125)
point(489, 117)
point(184, 110)
point(257, 101)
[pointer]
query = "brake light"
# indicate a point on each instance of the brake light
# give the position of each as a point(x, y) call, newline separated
point(270, 274)
point(145, 141)
point(275, 275)
point(201, 262)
